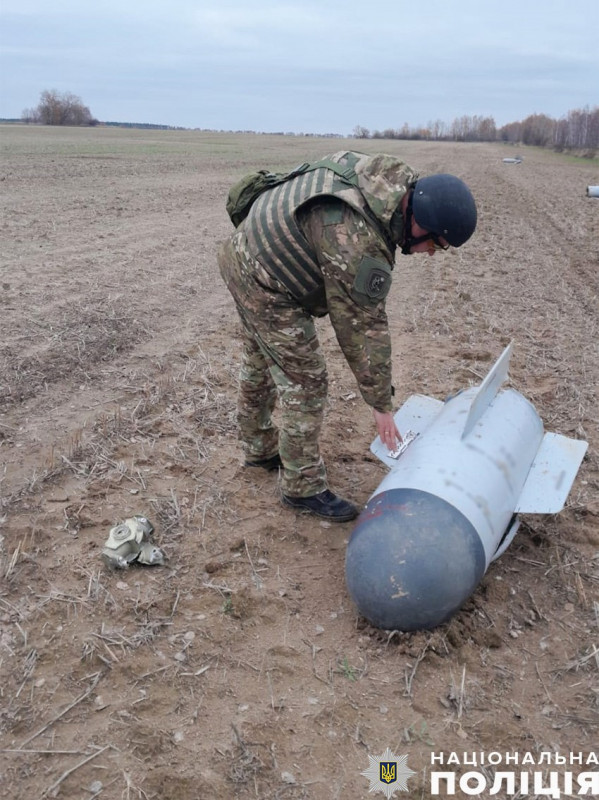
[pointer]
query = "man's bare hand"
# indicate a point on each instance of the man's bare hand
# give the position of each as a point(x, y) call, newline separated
point(387, 430)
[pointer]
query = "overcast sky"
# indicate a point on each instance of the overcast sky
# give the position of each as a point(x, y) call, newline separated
point(316, 66)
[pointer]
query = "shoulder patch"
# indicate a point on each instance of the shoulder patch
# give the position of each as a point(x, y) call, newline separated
point(373, 280)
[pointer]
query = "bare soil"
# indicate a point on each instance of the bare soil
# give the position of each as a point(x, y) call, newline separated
point(241, 668)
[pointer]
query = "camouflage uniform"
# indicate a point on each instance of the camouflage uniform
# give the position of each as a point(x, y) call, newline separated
point(352, 245)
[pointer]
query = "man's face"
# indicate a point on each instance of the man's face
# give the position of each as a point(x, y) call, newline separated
point(418, 239)
point(429, 245)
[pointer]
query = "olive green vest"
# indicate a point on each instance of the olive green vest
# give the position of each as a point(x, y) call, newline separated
point(275, 237)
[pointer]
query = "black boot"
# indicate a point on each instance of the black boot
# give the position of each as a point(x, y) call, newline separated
point(326, 505)
point(269, 464)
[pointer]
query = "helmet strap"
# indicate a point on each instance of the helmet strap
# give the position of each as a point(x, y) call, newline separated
point(408, 240)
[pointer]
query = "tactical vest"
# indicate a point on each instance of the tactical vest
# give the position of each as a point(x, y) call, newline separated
point(275, 238)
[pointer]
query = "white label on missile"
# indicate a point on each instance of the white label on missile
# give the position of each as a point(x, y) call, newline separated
point(408, 438)
point(416, 415)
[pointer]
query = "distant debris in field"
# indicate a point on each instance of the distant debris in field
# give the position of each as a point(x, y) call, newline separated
point(515, 160)
point(592, 191)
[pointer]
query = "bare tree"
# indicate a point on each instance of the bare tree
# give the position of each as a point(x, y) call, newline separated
point(487, 130)
point(360, 132)
point(29, 115)
point(437, 129)
point(512, 132)
point(59, 108)
point(538, 129)
point(460, 128)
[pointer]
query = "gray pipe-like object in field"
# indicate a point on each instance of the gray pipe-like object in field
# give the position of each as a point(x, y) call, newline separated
point(449, 505)
point(592, 191)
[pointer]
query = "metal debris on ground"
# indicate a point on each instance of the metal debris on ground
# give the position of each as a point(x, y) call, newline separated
point(129, 541)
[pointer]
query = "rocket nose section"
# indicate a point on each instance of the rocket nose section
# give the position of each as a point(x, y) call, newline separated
point(412, 560)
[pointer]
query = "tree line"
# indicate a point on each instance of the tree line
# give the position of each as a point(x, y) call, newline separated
point(577, 130)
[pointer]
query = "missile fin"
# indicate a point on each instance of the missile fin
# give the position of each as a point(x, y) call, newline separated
point(488, 389)
point(415, 415)
point(551, 475)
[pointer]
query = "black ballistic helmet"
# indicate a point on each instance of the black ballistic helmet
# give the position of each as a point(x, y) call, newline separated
point(444, 205)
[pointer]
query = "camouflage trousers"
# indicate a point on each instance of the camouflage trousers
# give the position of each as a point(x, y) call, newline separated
point(281, 360)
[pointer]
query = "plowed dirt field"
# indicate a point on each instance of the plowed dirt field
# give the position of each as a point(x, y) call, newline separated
point(241, 669)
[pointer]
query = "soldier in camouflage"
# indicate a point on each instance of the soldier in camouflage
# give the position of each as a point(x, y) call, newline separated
point(324, 242)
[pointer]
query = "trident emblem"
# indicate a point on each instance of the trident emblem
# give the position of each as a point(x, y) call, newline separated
point(388, 771)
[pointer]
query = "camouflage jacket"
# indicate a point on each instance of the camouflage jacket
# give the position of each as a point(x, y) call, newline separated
point(345, 245)
point(275, 236)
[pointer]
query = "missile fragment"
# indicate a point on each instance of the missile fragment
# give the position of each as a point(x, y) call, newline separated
point(449, 505)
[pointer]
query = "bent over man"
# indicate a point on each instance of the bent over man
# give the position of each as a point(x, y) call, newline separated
point(324, 242)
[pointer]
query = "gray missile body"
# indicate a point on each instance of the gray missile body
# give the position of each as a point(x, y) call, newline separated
point(449, 505)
